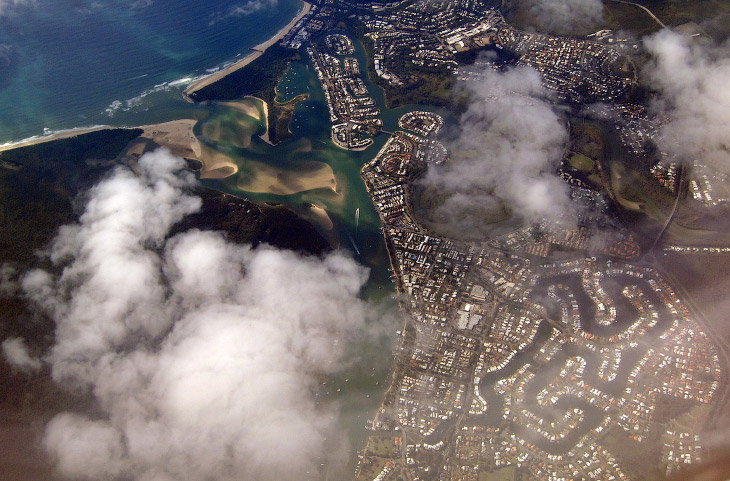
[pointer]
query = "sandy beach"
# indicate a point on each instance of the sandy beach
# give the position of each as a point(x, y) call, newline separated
point(258, 51)
point(265, 135)
point(176, 135)
point(65, 134)
point(317, 215)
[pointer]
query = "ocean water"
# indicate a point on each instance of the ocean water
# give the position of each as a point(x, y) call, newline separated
point(73, 63)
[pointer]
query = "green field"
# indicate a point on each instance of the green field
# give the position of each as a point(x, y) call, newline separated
point(505, 474)
point(582, 163)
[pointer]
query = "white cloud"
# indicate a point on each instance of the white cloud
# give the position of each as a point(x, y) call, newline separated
point(8, 283)
point(16, 354)
point(504, 156)
point(242, 10)
point(564, 16)
point(692, 78)
point(203, 355)
point(7, 7)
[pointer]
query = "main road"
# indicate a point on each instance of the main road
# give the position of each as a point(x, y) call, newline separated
point(644, 9)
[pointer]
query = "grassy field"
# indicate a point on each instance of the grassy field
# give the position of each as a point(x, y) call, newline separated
point(505, 474)
point(582, 163)
point(378, 452)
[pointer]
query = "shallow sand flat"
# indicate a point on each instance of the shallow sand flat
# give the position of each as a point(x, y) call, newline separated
point(303, 145)
point(216, 165)
point(204, 82)
point(214, 131)
point(245, 106)
point(222, 132)
point(319, 216)
point(176, 135)
point(265, 178)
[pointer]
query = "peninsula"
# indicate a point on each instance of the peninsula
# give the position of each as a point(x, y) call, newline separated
point(257, 51)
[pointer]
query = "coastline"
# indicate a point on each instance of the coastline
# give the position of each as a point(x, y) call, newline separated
point(258, 51)
point(63, 134)
point(172, 134)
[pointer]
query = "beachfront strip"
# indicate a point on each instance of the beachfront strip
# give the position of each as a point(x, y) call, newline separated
point(509, 361)
point(353, 113)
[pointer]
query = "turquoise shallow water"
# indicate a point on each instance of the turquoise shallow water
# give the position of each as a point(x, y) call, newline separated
point(66, 64)
point(126, 64)
point(358, 390)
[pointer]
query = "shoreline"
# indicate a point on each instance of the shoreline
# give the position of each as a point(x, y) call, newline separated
point(265, 105)
point(193, 87)
point(258, 51)
point(149, 131)
point(62, 134)
point(351, 149)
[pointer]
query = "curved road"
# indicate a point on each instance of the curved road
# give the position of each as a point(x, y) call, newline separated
point(644, 9)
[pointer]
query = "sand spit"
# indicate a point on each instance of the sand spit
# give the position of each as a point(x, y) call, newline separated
point(257, 52)
point(177, 136)
point(268, 179)
point(265, 135)
point(65, 134)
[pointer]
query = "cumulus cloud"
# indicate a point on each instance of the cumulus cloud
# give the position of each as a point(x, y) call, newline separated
point(8, 283)
point(7, 7)
point(242, 10)
point(692, 78)
point(17, 355)
point(203, 355)
point(504, 156)
point(140, 4)
point(564, 16)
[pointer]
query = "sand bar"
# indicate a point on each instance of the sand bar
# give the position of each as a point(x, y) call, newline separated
point(176, 135)
point(265, 178)
point(258, 51)
point(265, 135)
point(216, 165)
point(244, 106)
